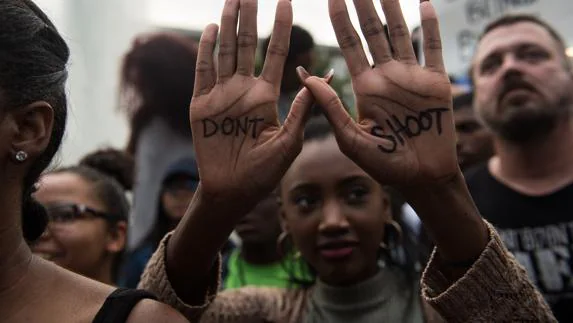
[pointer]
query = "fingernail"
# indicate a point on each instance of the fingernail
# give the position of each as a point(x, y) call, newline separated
point(302, 73)
point(328, 77)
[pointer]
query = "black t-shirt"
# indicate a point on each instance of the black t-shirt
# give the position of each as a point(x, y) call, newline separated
point(538, 230)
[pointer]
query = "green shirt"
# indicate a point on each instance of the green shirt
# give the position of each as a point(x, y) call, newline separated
point(280, 274)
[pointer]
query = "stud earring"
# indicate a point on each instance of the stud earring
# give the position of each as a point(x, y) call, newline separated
point(21, 156)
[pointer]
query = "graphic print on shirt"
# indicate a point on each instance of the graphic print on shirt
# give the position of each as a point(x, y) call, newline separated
point(545, 252)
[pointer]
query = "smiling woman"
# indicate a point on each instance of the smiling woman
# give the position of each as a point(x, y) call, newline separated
point(87, 214)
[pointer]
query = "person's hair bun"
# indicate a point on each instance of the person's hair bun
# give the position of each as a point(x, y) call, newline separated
point(114, 163)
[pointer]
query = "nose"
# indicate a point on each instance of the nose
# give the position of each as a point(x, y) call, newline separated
point(511, 66)
point(333, 220)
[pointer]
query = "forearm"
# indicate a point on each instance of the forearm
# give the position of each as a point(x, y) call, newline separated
point(451, 219)
point(192, 250)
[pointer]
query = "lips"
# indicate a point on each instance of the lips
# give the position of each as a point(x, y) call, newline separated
point(337, 250)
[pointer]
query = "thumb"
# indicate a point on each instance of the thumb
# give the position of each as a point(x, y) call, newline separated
point(301, 105)
point(343, 125)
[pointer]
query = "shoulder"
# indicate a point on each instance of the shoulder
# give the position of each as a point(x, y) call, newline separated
point(148, 310)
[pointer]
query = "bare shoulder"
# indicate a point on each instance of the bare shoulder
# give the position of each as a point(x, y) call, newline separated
point(152, 311)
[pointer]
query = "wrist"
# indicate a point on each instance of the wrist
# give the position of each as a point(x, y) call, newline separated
point(234, 204)
point(451, 218)
point(436, 191)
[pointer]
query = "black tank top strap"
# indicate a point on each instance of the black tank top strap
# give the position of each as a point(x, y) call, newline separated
point(118, 305)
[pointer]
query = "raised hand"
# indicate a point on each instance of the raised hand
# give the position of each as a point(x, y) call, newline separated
point(242, 149)
point(404, 135)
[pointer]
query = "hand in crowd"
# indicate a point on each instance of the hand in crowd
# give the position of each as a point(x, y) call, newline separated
point(242, 149)
point(404, 135)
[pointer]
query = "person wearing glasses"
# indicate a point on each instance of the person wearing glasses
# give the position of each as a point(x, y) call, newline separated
point(87, 214)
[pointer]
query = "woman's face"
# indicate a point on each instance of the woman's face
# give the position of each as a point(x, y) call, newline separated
point(84, 244)
point(177, 194)
point(335, 213)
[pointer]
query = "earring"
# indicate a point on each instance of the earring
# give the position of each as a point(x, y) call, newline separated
point(397, 234)
point(282, 248)
point(281, 240)
point(21, 156)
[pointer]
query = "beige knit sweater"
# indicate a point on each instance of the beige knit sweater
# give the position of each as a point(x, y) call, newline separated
point(495, 289)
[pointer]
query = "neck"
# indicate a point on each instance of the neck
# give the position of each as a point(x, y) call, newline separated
point(105, 273)
point(260, 253)
point(15, 255)
point(546, 162)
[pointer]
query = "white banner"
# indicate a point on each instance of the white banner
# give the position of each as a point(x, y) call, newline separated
point(462, 21)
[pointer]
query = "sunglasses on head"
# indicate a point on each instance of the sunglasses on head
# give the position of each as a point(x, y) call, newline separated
point(70, 212)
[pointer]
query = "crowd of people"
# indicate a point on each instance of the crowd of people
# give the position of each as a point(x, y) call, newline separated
point(259, 198)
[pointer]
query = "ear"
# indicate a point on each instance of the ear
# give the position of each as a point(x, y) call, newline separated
point(386, 203)
point(32, 128)
point(117, 237)
point(282, 216)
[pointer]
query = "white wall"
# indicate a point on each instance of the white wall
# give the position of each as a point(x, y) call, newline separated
point(98, 33)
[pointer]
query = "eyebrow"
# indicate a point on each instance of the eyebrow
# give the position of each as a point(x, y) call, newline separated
point(518, 46)
point(343, 182)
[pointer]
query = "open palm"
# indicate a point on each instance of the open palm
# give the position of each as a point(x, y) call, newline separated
point(404, 135)
point(242, 150)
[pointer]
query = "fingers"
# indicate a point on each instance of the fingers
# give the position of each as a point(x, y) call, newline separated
point(432, 40)
point(227, 61)
point(299, 113)
point(247, 37)
point(373, 31)
point(347, 37)
point(205, 69)
point(399, 33)
point(302, 104)
point(279, 44)
point(344, 126)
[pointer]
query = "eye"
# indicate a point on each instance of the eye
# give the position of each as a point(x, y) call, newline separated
point(357, 195)
point(533, 55)
point(468, 127)
point(489, 65)
point(63, 214)
point(305, 203)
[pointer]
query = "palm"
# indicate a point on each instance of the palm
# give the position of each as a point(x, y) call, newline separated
point(241, 149)
point(238, 125)
point(404, 114)
point(404, 135)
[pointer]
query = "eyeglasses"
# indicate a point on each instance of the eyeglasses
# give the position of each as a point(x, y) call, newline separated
point(66, 213)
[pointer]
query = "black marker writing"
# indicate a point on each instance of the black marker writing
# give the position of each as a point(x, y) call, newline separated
point(231, 126)
point(409, 127)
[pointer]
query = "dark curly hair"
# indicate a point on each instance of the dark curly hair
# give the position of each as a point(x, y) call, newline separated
point(157, 79)
point(115, 163)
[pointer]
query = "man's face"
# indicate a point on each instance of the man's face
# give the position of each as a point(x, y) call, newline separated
point(522, 85)
point(474, 142)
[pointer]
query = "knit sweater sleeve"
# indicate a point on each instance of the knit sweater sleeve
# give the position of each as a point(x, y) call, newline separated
point(495, 289)
point(237, 305)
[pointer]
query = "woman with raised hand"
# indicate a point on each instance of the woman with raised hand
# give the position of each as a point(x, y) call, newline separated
point(404, 137)
point(33, 109)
